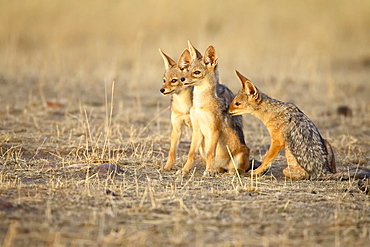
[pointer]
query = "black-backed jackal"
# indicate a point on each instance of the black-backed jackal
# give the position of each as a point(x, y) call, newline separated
point(212, 124)
point(308, 155)
point(182, 101)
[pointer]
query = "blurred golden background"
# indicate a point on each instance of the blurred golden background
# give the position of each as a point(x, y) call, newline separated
point(315, 51)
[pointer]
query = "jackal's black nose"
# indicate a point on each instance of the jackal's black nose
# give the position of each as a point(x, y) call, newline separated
point(162, 90)
point(182, 78)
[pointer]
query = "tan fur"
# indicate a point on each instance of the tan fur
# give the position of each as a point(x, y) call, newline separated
point(294, 170)
point(211, 122)
point(181, 100)
point(308, 155)
point(277, 117)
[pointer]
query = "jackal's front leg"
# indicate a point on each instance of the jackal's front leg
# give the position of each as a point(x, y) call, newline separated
point(274, 150)
point(196, 141)
point(175, 139)
point(211, 144)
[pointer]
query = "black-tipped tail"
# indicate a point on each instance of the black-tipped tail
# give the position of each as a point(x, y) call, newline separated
point(351, 173)
point(364, 185)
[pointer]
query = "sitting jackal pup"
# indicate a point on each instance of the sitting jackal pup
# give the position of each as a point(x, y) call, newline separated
point(211, 122)
point(308, 155)
point(182, 100)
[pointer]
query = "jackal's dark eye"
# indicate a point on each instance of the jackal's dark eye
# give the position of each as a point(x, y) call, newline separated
point(197, 72)
point(173, 80)
point(164, 80)
point(238, 103)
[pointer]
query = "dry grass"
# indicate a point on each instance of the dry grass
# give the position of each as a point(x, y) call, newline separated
point(79, 87)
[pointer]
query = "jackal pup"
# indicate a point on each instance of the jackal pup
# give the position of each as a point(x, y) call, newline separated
point(308, 155)
point(181, 99)
point(211, 122)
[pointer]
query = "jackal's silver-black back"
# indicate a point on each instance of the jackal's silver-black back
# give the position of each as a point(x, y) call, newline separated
point(305, 142)
point(226, 96)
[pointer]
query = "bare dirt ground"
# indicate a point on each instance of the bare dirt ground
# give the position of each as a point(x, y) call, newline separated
point(79, 87)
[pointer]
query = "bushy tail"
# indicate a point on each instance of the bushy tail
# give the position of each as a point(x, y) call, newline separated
point(364, 185)
point(351, 173)
point(360, 173)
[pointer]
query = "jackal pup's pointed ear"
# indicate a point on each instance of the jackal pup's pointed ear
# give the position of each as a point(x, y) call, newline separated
point(184, 60)
point(168, 62)
point(210, 56)
point(195, 54)
point(247, 85)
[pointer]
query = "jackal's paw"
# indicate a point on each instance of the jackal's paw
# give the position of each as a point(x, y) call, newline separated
point(254, 164)
point(208, 173)
point(182, 172)
point(256, 175)
point(233, 171)
point(165, 169)
point(259, 171)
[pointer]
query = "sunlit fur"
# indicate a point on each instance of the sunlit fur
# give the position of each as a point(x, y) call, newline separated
point(308, 154)
point(211, 121)
point(181, 100)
